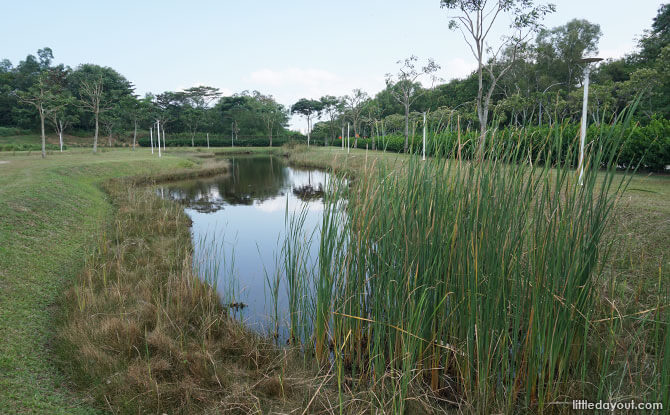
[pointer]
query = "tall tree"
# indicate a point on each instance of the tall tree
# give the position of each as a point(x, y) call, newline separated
point(654, 40)
point(99, 89)
point(199, 98)
point(332, 107)
point(64, 115)
point(354, 105)
point(42, 97)
point(309, 109)
point(475, 19)
point(405, 88)
point(272, 113)
point(559, 50)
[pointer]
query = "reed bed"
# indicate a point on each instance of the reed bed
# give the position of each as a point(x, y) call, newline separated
point(477, 281)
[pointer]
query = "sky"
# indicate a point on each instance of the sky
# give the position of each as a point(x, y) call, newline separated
point(289, 49)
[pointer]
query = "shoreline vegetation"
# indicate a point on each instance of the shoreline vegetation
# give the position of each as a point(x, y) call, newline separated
point(139, 330)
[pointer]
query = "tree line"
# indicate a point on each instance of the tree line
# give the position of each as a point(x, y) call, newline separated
point(533, 78)
point(91, 97)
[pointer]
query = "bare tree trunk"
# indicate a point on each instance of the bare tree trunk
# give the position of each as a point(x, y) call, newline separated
point(135, 135)
point(355, 135)
point(60, 138)
point(95, 138)
point(376, 135)
point(406, 127)
point(44, 138)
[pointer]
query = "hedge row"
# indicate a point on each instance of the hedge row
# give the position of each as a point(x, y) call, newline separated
point(648, 146)
point(217, 142)
point(10, 131)
point(29, 147)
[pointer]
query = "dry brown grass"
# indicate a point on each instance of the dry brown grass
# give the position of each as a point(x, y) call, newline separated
point(142, 333)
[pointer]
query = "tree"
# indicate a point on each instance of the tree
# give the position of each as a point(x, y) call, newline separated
point(42, 97)
point(354, 105)
point(136, 111)
point(99, 89)
point(560, 49)
point(405, 88)
point(64, 115)
point(475, 19)
point(654, 40)
point(272, 113)
point(309, 109)
point(332, 107)
point(372, 116)
point(199, 98)
point(46, 94)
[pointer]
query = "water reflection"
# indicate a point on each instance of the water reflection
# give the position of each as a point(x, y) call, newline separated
point(239, 222)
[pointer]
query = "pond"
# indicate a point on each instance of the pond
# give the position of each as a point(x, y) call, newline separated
point(239, 223)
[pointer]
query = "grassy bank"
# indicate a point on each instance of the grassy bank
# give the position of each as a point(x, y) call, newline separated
point(145, 333)
point(49, 210)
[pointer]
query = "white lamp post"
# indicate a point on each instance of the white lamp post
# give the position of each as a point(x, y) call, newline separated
point(582, 138)
point(158, 137)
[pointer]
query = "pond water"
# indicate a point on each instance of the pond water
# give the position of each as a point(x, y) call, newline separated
point(239, 222)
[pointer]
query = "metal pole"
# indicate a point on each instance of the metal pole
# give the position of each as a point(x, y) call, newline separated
point(424, 135)
point(342, 137)
point(582, 138)
point(158, 132)
point(151, 137)
point(207, 140)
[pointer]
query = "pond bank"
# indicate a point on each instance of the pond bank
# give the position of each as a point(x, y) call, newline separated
point(143, 332)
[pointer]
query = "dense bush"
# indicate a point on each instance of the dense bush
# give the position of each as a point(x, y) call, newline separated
point(218, 141)
point(29, 147)
point(648, 145)
point(10, 131)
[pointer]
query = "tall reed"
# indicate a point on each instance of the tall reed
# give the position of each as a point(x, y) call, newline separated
point(477, 280)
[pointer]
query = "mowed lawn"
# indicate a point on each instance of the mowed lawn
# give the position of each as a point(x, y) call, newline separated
point(50, 212)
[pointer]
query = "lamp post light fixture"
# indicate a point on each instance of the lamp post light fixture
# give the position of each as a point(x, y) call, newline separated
point(582, 138)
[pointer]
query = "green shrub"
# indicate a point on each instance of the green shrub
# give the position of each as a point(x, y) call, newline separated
point(647, 146)
point(29, 147)
point(217, 142)
point(10, 131)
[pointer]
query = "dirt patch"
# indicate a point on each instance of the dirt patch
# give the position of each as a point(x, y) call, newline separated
point(3, 162)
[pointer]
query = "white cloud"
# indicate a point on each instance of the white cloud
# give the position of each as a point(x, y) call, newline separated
point(458, 68)
point(290, 84)
point(618, 51)
point(294, 76)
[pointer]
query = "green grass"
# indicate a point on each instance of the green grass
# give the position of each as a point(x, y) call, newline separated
point(50, 209)
point(526, 287)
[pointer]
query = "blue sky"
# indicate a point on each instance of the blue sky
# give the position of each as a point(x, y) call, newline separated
point(289, 49)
